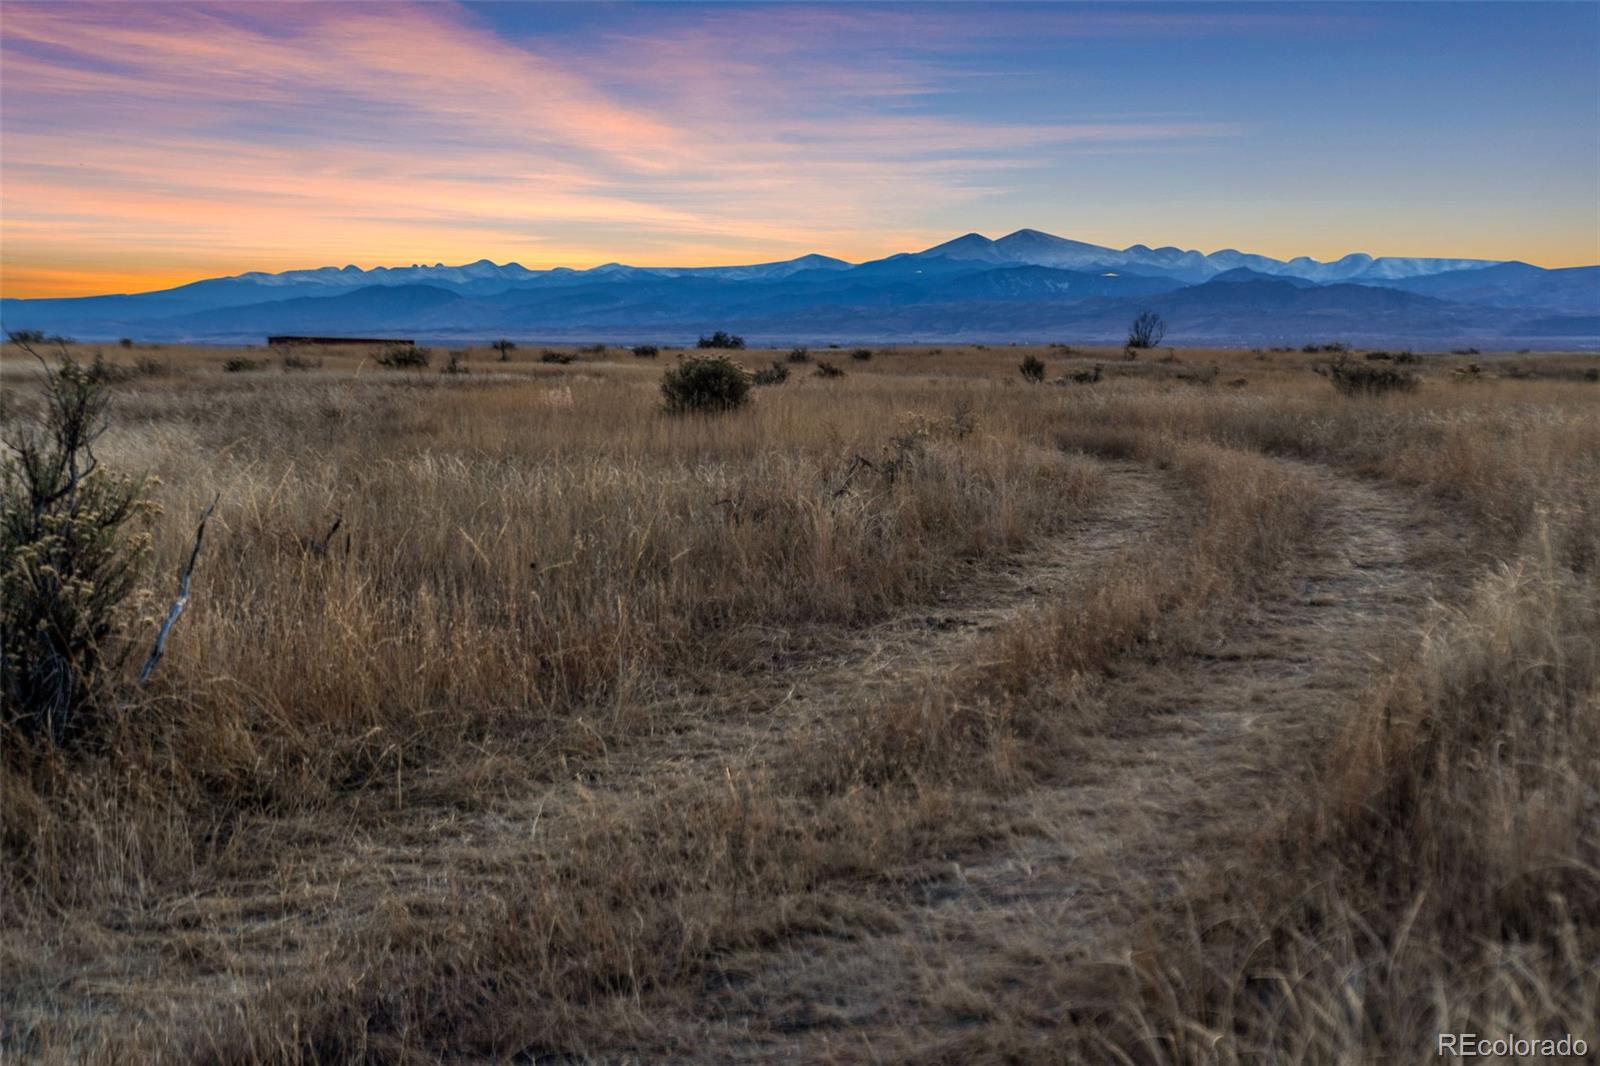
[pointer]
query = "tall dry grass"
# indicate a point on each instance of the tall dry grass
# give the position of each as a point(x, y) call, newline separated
point(534, 569)
point(515, 562)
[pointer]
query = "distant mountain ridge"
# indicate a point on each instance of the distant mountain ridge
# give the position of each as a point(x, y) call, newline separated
point(1025, 285)
point(1044, 249)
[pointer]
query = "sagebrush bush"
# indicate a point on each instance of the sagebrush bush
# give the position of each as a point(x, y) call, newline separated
point(828, 370)
point(550, 355)
point(290, 359)
point(646, 351)
point(705, 384)
point(69, 556)
point(240, 365)
point(1368, 379)
point(861, 355)
point(1032, 368)
point(404, 356)
point(799, 355)
point(776, 374)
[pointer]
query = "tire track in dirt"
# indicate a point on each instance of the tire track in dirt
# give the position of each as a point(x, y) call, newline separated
point(924, 642)
point(1198, 745)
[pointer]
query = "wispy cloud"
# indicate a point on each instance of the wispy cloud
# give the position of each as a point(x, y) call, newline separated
point(167, 140)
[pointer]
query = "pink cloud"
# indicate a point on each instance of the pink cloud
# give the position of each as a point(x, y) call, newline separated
point(249, 136)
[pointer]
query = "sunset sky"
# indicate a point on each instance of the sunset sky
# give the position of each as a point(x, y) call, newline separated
point(146, 145)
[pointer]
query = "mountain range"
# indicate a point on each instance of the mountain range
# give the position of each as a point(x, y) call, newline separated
point(1028, 285)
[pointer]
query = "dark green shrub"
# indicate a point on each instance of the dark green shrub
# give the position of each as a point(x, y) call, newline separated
point(550, 355)
point(776, 374)
point(828, 370)
point(1032, 369)
point(799, 355)
point(239, 365)
point(705, 384)
point(69, 557)
point(646, 351)
point(720, 339)
point(1368, 379)
point(861, 355)
point(404, 356)
point(592, 349)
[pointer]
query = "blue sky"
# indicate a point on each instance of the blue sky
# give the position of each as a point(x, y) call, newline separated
point(158, 142)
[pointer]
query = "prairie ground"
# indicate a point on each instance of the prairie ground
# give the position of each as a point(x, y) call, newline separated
point(1183, 710)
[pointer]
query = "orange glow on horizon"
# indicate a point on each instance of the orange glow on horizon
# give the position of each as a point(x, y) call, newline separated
point(26, 280)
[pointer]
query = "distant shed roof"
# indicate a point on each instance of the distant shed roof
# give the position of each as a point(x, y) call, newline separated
point(340, 340)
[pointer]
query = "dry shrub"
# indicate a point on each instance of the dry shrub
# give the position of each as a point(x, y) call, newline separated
point(1362, 379)
point(403, 356)
point(776, 374)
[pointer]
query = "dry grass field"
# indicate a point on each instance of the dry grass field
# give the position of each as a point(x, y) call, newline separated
point(1191, 712)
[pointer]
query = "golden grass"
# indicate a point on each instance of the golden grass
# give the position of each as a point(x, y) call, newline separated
point(469, 778)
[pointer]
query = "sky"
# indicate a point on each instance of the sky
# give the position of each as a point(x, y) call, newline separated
point(144, 145)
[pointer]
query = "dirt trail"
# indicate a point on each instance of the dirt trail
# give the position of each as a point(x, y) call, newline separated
point(1201, 743)
point(929, 640)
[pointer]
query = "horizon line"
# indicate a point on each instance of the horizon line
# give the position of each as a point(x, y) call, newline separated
point(442, 264)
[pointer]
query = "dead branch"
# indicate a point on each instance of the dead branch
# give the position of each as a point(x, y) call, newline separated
point(183, 596)
point(856, 463)
point(319, 546)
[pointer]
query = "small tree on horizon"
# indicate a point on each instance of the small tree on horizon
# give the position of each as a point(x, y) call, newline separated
point(1146, 330)
point(505, 348)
